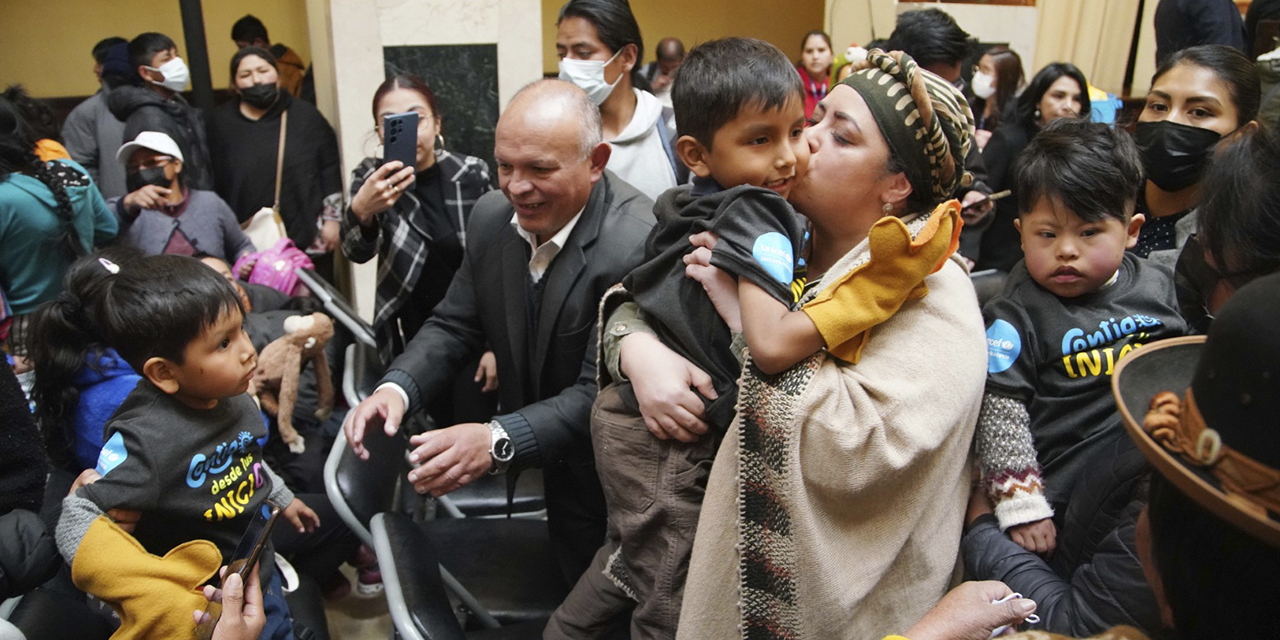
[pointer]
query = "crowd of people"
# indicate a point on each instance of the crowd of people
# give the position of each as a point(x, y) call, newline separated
point(725, 301)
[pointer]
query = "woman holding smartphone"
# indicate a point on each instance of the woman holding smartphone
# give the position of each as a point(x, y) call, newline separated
point(414, 219)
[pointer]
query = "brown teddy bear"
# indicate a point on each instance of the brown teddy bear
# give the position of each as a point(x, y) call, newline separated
point(282, 361)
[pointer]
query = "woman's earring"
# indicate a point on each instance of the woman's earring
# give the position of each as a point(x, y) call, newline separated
point(1037, 114)
point(439, 141)
point(887, 208)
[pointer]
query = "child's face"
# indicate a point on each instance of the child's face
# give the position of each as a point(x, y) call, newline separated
point(218, 364)
point(762, 148)
point(1069, 256)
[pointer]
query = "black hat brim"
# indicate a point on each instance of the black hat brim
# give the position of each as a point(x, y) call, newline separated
point(1170, 365)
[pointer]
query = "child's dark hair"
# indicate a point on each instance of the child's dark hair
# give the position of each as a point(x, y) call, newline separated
point(154, 307)
point(1239, 218)
point(720, 77)
point(62, 342)
point(1091, 168)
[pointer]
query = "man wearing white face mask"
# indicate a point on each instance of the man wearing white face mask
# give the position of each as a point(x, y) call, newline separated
point(600, 48)
point(154, 103)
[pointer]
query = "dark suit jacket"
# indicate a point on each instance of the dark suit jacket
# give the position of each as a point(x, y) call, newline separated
point(551, 392)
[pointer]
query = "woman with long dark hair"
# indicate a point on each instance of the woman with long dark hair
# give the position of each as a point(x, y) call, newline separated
point(997, 78)
point(815, 68)
point(50, 214)
point(415, 220)
point(1197, 97)
point(1057, 91)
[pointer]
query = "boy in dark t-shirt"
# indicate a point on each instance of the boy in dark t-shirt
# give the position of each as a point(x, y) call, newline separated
point(184, 447)
point(740, 111)
point(1075, 306)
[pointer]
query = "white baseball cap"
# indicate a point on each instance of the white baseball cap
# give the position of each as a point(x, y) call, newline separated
point(153, 140)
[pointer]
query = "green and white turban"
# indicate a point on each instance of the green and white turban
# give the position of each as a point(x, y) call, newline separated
point(926, 121)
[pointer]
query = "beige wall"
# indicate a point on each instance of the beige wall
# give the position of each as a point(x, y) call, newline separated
point(46, 45)
point(357, 30)
point(694, 21)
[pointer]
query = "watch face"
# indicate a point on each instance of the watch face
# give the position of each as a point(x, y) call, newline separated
point(502, 449)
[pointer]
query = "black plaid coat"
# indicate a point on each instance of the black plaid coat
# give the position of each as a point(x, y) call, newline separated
point(400, 238)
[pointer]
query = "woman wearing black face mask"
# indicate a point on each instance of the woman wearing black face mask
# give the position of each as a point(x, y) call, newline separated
point(244, 139)
point(1198, 96)
point(161, 214)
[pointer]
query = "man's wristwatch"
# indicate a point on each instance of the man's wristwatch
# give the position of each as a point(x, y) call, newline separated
point(501, 450)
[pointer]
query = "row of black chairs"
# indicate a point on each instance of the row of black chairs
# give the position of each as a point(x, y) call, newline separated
point(467, 565)
point(464, 548)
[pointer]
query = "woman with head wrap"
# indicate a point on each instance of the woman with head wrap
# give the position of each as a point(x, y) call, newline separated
point(835, 504)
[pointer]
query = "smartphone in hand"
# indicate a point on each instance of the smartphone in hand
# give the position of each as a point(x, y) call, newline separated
point(400, 138)
point(245, 557)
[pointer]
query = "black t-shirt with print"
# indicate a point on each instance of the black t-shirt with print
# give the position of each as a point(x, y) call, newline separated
point(195, 474)
point(760, 238)
point(1057, 355)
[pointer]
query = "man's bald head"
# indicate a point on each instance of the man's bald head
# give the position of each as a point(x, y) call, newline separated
point(670, 50)
point(547, 102)
point(550, 153)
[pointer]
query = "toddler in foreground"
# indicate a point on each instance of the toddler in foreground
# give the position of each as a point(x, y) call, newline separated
point(184, 448)
point(1074, 306)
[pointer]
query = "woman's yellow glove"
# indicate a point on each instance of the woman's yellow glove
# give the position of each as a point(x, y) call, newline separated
point(154, 596)
point(868, 295)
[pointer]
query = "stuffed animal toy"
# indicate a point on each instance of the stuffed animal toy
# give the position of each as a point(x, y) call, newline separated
point(282, 361)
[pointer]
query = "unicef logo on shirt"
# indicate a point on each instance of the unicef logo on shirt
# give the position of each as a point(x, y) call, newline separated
point(112, 454)
point(1003, 346)
point(773, 251)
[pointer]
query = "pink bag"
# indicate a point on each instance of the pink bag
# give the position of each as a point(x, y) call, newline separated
point(275, 267)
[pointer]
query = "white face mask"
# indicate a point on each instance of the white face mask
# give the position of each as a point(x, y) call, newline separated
point(175, 74)
point(589, 76)
point(984, 86)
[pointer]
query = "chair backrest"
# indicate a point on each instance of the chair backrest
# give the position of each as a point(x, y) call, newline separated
point(988, 283)
point(338, 307)
point(360, 489)
point(416, 597)
point(362, 369)
point(1266, 37)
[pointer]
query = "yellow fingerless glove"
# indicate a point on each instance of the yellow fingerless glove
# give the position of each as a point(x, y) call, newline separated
point(846, 311)
point(154, 596)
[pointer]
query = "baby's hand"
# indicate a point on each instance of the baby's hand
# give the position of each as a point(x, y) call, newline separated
point(301, 516)
point(1040, 537)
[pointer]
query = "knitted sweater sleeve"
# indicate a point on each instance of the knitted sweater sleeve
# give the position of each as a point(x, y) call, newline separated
point(1007, 456)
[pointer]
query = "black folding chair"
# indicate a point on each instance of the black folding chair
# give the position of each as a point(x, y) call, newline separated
point(988, 283)
point(416, 595)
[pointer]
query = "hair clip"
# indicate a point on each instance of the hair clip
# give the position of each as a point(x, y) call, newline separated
point(109, 265)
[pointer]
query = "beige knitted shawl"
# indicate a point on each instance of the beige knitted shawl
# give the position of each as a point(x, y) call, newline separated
point(842, 517)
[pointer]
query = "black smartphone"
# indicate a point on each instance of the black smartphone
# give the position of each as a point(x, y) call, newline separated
point(999, 195)
point(246, 555)
point(400, 138)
